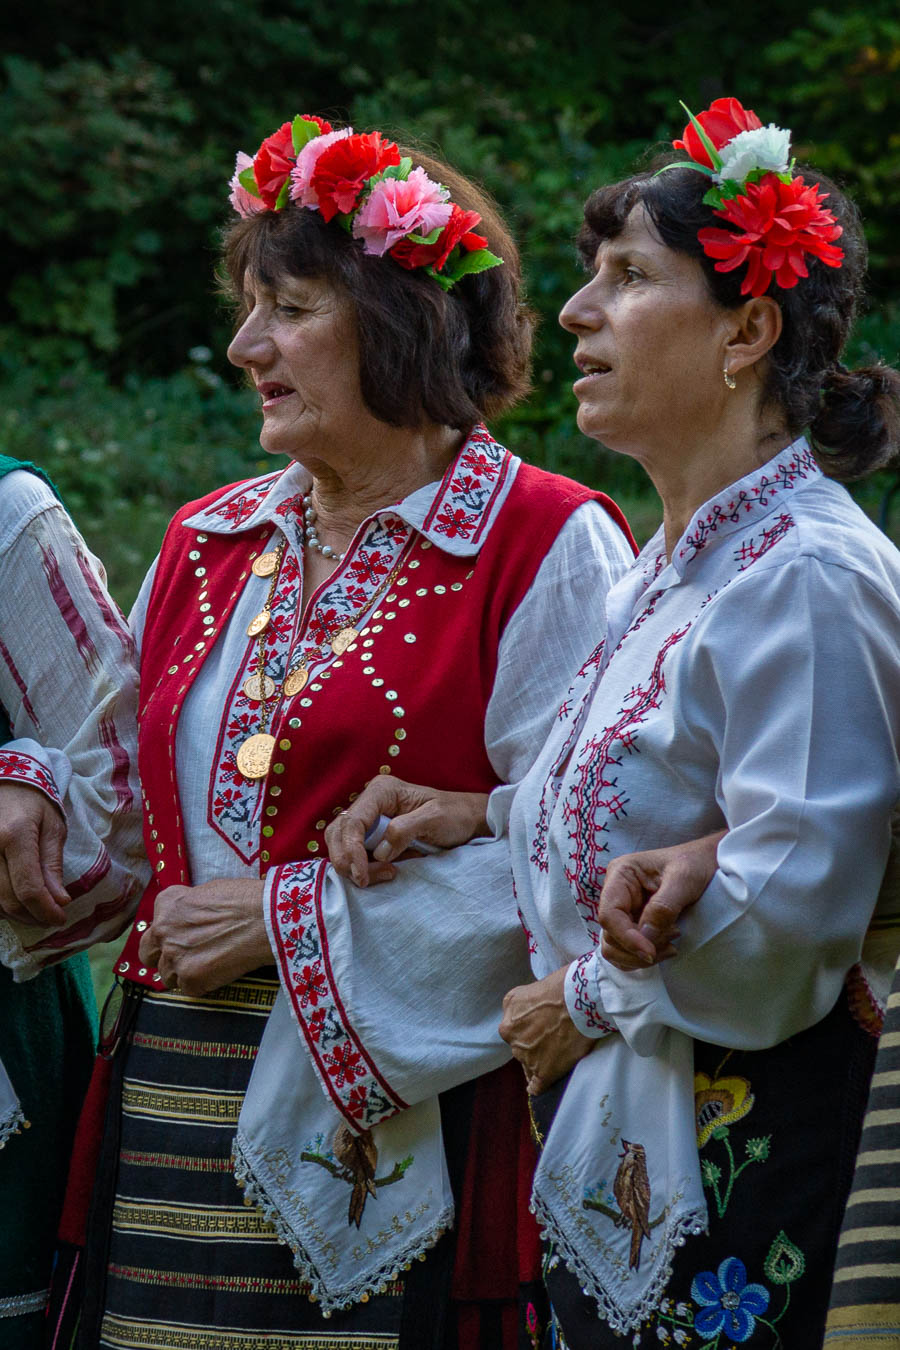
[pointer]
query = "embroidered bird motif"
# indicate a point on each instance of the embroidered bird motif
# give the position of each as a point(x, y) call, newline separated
point(358, 1154)
point(632, 1191)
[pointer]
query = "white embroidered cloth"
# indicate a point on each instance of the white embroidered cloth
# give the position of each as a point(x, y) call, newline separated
point(751, 683)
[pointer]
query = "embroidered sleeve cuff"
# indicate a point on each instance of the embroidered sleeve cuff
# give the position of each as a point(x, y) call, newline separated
point(19, 767)
point(583, 998)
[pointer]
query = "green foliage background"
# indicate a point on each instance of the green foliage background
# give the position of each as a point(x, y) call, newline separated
point(120, 122)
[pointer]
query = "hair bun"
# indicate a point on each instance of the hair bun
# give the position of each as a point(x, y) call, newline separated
point(858, 422)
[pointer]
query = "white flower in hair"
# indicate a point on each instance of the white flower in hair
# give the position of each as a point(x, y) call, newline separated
point(762, 148)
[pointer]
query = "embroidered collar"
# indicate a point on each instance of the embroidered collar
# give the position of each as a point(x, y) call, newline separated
point(456, 514)
point(748, 500)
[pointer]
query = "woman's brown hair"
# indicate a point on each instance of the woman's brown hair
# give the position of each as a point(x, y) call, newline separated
point(425, 354)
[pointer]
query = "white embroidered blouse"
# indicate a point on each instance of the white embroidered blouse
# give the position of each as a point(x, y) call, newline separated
point(751, 684)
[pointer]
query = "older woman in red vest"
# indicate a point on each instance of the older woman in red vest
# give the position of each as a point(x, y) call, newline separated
point(405, 595)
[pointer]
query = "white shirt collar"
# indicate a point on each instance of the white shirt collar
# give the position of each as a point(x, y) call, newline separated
point(456, 513)
point(744, 502)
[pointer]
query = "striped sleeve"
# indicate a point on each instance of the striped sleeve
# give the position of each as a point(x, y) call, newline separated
point(68, 685)
point(865, 1298)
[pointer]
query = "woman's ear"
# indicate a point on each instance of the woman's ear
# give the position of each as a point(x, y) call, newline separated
point(755, 328)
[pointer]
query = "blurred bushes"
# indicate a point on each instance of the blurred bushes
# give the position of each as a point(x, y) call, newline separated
point(121, 122)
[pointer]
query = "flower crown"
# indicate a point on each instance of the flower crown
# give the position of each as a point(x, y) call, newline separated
point(364, 183)
point(778, 219)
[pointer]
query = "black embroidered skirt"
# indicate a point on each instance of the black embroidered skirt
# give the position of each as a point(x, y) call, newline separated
point(189, 1265)
point(777, 1132)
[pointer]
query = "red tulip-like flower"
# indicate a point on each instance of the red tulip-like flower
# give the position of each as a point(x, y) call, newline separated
point(343, 170)
point(273, 162)
point(458, 230)
point(722, 121)
point(776, 225)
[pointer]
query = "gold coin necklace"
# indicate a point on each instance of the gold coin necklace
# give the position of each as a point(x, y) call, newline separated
point(255, 753)
point(254, 756)
point(344, 636)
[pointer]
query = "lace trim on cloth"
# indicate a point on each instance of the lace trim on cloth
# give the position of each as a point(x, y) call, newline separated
point(13, 955)
point(20, 1304)
point(11, 1122)
point(621, 1320)
point(343, 1296)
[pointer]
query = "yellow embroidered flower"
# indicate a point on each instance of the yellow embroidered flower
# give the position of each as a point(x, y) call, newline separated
point(719, 1102)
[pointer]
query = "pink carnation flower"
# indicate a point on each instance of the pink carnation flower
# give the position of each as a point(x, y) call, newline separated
point(303, 170)
point(397, 207)
point(243, 201)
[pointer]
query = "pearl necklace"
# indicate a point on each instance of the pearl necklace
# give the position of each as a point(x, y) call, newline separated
point(310, 538)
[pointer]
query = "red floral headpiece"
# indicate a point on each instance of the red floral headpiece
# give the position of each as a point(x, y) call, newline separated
point(778, 219)
point(363, 182)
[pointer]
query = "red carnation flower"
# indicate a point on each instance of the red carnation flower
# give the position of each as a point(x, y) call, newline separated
point(325, 128)
point(343, 170)
point(776, 225)
point(722, 121)
point(273, 163)
point(458, 230)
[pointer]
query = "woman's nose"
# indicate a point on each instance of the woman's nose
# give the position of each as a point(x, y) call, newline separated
point(250, 342)
point(581, 310)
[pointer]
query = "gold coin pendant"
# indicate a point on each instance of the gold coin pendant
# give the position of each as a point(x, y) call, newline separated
point(342, 640)
point(259, 623)
point(295, 681)
point(265, 564)
point(255, 755)
point(259, 688)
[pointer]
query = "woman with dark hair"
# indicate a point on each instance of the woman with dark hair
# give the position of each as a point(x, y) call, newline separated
point(699, 1116)
point(368, 607)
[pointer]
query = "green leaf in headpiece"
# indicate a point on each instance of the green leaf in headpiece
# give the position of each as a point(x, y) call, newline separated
point(707, 143)
point(431, 238)
point(686, 164)
point(400, 170)
point(284, 195)
point(445, 282)
point(479, 260)
point(713, 198)
point(302, 132)
point(247, 180)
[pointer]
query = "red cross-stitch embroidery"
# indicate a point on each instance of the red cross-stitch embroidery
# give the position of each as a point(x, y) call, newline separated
point(347, 1072)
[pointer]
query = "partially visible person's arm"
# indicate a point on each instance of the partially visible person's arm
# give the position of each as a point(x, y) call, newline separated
point(644, 895)
point(68, 683)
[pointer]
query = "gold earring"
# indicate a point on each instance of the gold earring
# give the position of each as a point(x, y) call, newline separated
point(729, 378)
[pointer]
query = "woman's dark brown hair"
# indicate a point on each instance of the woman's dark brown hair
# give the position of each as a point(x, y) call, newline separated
point(853, 416)
point(425, 354)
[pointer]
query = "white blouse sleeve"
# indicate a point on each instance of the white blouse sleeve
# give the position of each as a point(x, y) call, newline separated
point(802, 707)
point(558, 623)
point(68, 683)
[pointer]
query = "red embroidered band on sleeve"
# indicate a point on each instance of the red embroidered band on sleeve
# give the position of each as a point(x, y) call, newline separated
point(346, 1071)
point(18, 768)
point(582, 1005)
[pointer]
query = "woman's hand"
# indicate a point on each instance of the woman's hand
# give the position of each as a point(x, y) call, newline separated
point(542, 1036)
point(203, 937)
point(32, 835)
point(444, 819)
point(645, 894)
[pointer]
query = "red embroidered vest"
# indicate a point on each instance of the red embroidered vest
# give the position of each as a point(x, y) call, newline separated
point(410, 696)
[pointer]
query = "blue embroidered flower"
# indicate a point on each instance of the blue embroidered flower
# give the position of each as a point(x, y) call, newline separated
point(727, 1302)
